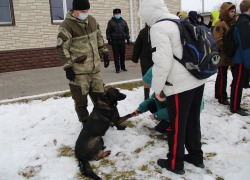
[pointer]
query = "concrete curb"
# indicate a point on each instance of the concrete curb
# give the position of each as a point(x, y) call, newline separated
point(57, 93)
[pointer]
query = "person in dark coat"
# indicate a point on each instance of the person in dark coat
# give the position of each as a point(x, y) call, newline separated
point(142, 50)
point(193, 15)
point(241, 58)
point(200, 21)
point(117, 32)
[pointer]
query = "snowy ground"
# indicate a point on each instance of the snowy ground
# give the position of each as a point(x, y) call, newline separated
point(32, 134)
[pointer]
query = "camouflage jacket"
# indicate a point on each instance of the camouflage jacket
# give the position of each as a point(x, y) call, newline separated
point(78, 42)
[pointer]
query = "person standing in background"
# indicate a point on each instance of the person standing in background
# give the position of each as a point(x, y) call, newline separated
point(200, 21)
point(241, 58)
point(221, 27)
point(215, 15)
point(142, 50)
point(182, 15)
point(116, 33)
point(193, 15)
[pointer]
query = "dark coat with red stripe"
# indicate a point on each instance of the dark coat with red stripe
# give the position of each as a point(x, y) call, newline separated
point(242, 38)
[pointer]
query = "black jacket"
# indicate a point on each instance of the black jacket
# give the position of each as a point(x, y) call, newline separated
point(193, 15)
point(142, 49)
point(202, 22)
point(117, 30)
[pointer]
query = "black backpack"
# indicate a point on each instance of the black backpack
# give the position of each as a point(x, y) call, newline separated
point(229, 45)
point(200, 53)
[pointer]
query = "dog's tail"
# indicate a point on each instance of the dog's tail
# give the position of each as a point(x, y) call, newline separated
point(86, 169)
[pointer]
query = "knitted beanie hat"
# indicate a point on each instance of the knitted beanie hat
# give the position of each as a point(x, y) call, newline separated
point(80, 4)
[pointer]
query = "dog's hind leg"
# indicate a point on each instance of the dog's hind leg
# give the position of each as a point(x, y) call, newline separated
point(102, 155)
point(124, 118)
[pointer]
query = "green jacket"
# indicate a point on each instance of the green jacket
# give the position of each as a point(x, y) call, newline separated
point(216, 15)
point(162, 111)
point(78, 42)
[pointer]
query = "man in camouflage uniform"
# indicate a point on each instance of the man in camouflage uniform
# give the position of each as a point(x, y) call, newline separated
point(79, 41)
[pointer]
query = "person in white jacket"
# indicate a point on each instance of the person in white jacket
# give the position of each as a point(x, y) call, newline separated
point(184, 92)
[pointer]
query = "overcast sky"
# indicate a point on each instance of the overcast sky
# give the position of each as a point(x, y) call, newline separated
point(188, 5)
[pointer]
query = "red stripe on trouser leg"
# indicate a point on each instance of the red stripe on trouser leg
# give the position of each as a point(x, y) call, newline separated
point(176, 130)
point(237, 87)
point(221, 83)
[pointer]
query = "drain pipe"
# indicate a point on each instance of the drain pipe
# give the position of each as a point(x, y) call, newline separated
point(131, 21)
point(140, 18)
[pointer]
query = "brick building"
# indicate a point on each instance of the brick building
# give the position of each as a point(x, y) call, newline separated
point(28, 29)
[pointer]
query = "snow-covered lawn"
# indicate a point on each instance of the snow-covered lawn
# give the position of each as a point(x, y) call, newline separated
point(31, 135)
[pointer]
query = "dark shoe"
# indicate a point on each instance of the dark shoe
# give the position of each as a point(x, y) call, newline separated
point(124, 69)
point(163, 164)
point(227, 103)
point(121, 127)
point(243, 109)
point(189, 160)
point(163, 127)
point(118, 71)
point(240, 112)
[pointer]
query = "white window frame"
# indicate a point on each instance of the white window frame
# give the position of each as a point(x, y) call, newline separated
point(64, 13)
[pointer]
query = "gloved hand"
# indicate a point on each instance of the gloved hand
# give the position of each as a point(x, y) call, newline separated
point(106, 60)
point(109, 41)
point(70, 74)
point(128, 42)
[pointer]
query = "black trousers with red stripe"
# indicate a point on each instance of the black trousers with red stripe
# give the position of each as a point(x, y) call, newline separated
point(184, 115)
point(239, 76)
point(221, 84)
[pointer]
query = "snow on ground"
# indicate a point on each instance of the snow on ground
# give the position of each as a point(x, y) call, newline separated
point(32, 134)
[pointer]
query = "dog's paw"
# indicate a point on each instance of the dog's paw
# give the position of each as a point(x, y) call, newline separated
point(108, 153)
point(121, 127)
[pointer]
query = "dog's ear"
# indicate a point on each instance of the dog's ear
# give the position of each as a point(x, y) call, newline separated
point(104, 96)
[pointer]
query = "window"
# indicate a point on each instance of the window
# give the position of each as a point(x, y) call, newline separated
point(59, 9)
point(6, 12)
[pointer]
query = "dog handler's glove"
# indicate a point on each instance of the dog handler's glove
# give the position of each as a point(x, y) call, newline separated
point(70, 74)
point(106, 60)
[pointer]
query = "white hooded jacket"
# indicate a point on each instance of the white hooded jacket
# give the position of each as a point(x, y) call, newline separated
point(165, 37)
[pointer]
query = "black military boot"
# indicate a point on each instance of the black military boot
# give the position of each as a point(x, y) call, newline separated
point(146, 93)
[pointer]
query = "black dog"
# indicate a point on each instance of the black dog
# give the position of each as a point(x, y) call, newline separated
point(90, 145)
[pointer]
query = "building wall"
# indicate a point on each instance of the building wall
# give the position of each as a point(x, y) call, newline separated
point(33, 28)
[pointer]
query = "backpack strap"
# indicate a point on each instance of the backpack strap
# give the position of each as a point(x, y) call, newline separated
point(177, 21)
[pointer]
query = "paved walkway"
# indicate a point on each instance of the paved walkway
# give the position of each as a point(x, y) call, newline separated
point(38, 81)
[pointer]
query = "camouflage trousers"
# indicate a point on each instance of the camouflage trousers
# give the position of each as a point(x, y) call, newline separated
point(91, 84)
